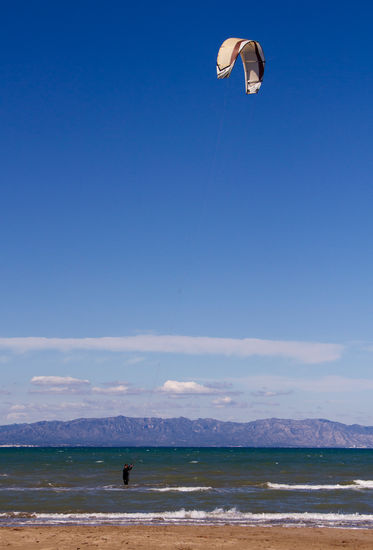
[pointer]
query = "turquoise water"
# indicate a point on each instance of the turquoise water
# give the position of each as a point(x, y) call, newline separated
point(187, 485)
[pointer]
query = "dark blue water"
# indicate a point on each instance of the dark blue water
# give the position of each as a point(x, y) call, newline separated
point(187, 485)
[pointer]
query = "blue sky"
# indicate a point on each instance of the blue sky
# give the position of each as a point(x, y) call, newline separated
point(170, 246)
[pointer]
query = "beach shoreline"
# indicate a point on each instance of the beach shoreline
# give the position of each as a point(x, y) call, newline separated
point(183, 537)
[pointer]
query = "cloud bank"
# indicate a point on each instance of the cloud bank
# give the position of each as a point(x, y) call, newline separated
point(305, 352)
point(184, 388)
point(67, 384)
point(272, 385)
point(117, 389)
point(58, 384)
point(223, 402)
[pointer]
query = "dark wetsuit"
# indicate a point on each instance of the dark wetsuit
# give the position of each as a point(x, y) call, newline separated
point(126, 473)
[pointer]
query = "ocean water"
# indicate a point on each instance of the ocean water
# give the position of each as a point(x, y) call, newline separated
point(312, 487)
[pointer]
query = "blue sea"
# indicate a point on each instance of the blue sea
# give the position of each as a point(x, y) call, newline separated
point(245, 486)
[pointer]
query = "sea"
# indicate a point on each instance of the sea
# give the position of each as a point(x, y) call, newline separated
point(186, 486)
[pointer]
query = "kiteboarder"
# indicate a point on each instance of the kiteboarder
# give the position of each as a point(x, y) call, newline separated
point(126, 473)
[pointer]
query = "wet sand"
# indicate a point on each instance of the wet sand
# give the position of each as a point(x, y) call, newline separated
point(184, 538)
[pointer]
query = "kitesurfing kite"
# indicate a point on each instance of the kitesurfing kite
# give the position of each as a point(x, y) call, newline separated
point(252, 58)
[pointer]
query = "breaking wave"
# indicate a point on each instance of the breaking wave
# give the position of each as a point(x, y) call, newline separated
point(356, 484)
point(193, 517)
point(180, 489)
point(55, 488)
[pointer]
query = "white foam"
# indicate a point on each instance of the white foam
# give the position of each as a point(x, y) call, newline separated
point(217, 516)
point(364, 483)
point(305, 487)
point(181, 489)
point(356, 484)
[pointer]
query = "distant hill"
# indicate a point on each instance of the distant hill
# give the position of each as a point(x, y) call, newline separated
point(126, 431)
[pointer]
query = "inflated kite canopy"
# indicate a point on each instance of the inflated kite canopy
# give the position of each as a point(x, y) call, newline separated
point(252, 58)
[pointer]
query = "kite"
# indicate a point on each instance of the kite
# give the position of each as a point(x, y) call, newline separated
point(252, 58)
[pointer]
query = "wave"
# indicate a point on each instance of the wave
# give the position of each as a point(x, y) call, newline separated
point(364, 483)
point(56, 488)
point(181, 489)
point(356, 484)
point(193, 517)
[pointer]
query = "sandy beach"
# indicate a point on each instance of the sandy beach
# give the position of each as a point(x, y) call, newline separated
point(184, 538)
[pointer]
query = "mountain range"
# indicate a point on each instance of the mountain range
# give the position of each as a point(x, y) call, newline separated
point(127, 431)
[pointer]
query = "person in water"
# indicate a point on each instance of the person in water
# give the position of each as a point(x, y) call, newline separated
point(126, 473)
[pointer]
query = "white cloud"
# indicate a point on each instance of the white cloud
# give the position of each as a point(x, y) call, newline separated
point(135, 360)
point(223, 401)
point(67, 410)
point(14, 417)
point(33, 411)
point(57, 381)
point(17, 408)
point(58, 384)
point(184, 388)
point(67, 384)
point(267, 393)
point(306, 352)
point(120, 388)
point(367, 347)
point(283, 385)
